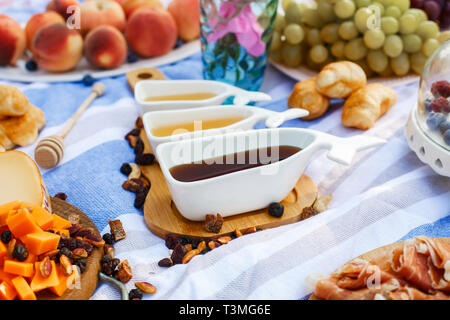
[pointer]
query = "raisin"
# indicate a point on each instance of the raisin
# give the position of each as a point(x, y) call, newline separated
point(165, 263)
point(145, 159)
point(81, 263)
point(108, 237)
point(65, 251)
point(20, 252)
point(171, 241)
point(139, 147)
point(61, 195)
point(126, 169)
point(135, 294)
point(135, 132)
point(139, 123)
point(140, 199)
point(178, 253)
point(276, 209)
point(6, 236)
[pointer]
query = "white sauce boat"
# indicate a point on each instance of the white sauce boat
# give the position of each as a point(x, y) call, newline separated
point(146, 89)
point(251, 115)
point(254, 188)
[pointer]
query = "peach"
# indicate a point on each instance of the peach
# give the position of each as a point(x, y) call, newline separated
point(151, 32)
point(187, 17)
point(105, 47)
point(12, 40)
point(38, 21)
point(57, 48)
point(100, 12)
point(62, 6)
point(130, 6)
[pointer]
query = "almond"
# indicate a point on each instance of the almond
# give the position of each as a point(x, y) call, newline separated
point(145, 287)
point(66, 265)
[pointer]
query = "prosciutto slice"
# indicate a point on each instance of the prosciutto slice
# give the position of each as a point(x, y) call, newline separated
point(417, 270)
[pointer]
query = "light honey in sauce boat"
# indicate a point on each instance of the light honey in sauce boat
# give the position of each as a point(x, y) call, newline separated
point(183, 97)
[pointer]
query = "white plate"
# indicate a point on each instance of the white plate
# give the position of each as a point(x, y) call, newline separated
point(303, 73)
point(19, 73)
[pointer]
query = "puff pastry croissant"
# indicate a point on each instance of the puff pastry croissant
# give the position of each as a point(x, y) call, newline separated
point(13, 102)
point(366, 105)
point(340, 79)
point(306, 96)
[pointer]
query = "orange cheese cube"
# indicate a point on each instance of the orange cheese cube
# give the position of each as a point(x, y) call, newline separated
point(41, 242)
point(7, 291)
point(43, 218)
point(3, 250)
point(7, 277)
point(23, 289)
point(5, 209)
point(18, 268)
point(40, 283)
point(60, 223)
point(65, 282)
point(22, 223)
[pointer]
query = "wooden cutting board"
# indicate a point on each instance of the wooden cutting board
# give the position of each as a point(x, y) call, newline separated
point(381, 257)
point(89, 278)
point(162, 217)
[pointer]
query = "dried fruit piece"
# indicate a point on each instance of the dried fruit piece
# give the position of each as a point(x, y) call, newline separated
point(140, 198)
point(146, 287)
point(178, 253)
point(135, 294)
point(144, 159)
point(45, 267)
point(74, 218)
point(134, 132)
point(74, 229)
point(132, 140)
point(165, 263)
point(238, 233)
point(139, 147)
point(201, 246)
point(94, 240)
point(139, 123)
point(188, 247)
point(250, 230)
point(109, 238)
point(79, 253)
point(116, 229)
point(171, 241)
point(276, 209)
point(123, 273)
point(213, 244)
point(188, 256)
point(213, 223)
point(109, 250)
point(20, 253)
point(441, 89)
point(321, 204)
point(66, 265)
point(308, 212)
point(61, 195)
point(125, 169)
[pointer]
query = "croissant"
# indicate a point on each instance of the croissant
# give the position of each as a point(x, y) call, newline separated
point(306, 96)
point(21, 130)
point(13, 102)
point(340, 79)
point(366, 105)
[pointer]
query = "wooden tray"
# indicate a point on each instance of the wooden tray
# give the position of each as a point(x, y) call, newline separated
point(381, 256)
point(162, 217)
point(89, 278)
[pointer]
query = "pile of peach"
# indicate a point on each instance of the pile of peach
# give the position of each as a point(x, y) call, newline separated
point(106, 28)
point(25, 247)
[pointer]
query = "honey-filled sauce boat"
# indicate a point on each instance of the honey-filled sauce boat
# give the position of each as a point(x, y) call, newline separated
point(171, 125)
point(245, 171)
point(153, 95)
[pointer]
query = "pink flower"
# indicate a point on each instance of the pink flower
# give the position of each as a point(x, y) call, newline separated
point(245, 26)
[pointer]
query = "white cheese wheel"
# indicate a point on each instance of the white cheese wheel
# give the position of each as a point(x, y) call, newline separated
point(20, 180)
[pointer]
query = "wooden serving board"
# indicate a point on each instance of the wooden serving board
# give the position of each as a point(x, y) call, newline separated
point(381, 256)
point(162, 217)
point(89, 278)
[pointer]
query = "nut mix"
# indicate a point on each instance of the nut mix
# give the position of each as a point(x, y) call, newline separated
point(117, 230)
point(213, 223)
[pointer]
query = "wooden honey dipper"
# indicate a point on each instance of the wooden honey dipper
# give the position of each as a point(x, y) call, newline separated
point(50, 150)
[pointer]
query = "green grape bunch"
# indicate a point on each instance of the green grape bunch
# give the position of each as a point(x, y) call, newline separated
point(386, 37)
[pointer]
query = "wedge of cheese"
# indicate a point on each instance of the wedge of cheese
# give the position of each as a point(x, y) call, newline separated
point(21, 180)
